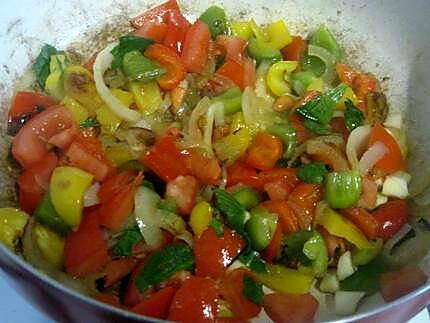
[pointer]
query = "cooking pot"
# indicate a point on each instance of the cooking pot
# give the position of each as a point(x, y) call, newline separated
point(387, 38)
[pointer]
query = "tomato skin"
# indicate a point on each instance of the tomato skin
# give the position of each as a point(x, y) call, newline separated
point(303, 201)
point(155, 15)
point(264, 152)
point(231, 288)
point(295, 50)
point(155, 31)
point(393, 160)
point(241, 173)
point(333, 243)
point(302, 133)
point(365, 221)
point(279, 182)
point(272, 250)
point(233, 70)
point(177, 29)
point(30, 144)
point(363, 84)
point(206, 170)
point(114, 184)
point(168, 58)
point(27, 102)
point(391, 216)
point(160, 159)
point(214, 253)
point(117, 269)
point(86, 251)
point(195, 301)
point(196, 47)
point(132, 294)
point(286, 217)
point(345, 73)
point(290, 308)
point(115, 211)
point(183, 189)
point(156, 305)
point(232, 46)
point(395, 284)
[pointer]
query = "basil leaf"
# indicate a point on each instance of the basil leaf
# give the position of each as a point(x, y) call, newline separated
point(128, 44)
point(217, 226)
point(252, 290)
point(89, 123)
point(313, 173)
point(251, 259)
point(128, 239)
point(41, 64)
point(234, 212)
point(162, 264)
point(354, 117)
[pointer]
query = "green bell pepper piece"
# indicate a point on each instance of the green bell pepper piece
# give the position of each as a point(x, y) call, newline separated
point(364, 256)
point(138, 67)
point(46, 214)
point(261, 227)
point(247, 197)
point(343, 189)
point(231, 99)
point(325, 39)
point(313, 173)
point(314, 65)
point(260, 52)
point(316, 250)
point(216, 19)
point(288, 136)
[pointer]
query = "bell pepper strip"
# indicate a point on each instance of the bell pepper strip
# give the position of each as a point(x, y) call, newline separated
point(168, 58)
point(261, 227)
point(275, 36)
point(156, 305)
point(231, 99)
point(276, 77)
point(365, 221)
point(286, 218)
point(324, 38)
point(334, 244)
point(260, 52)
point(343, 189)
point(303, 200)
point(137, 67)
point(264, 152)
point(232, 47)
point(206, 170)
point(67, 188)
point(214, 253)
point(241, 29)
point(201, 217)
point(233, 70)
point(85, 250)
point(232, 147)
point(117, 269)
point(177, 28)
point(50, 244)
point(247, 197)
point(271, 252)
point(147, 96)
point(391, 216)
point(155, 15)
point(362, 257)
point(12, 225)
point(114, 213)
point(339, 226)
point(241, 173)
point(183, 190)
point(286, 280)
point(196, 47)
point(154, 31)
point(295, 50)
point(159, 159)
point(216, 20)
point(293, 308)
point(393, 160)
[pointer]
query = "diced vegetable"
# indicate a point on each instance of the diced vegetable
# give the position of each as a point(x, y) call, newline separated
point(264, 152)
point(365, 221)
point(314, 173)
point(216, 19)
point(247, 197)
point(329, 283)
point(183, 190)
point(346, 302)
point(46, 214)
point(343, 189)
point(54, 83)
point(391, 216)
point(324, 38)
point(261, 227)
point(275, 35)
point(128, 239)
point(295, 50)
point(354, 117)
point(157, 305)
point(12, 224)
point(138, 67)
point(396, 185)
point(233, 146)
point(276, 77)
point(364, 256)
point(200, 217)
point(235, 213)
point(196, 47)
point(290, 308)
point(261, 52)
point(252, 260)
point(231, 99)
point(345, 267)
point(241, 29)
point(41, 65)
point(288, 136)
point(67, 188)
point(50, 244)
point(252, 290)
point(128, 44)
point(315, 249)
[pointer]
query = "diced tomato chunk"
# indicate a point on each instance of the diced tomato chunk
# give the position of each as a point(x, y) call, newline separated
point(155, 15)
point(29, 102)
point(155, 31)
point(303, 201)
point(273, 249)
point(156, 305)
point(279, 182)
point(295, 50)
point(365, 221)
point(117, 269)
point(264, 152)
point(286, 217)
point(206, 170)
point(241, 173)
point(290, 308)
point(183, 189)
point(196, 47)
point(178, 27)
point(391, 216)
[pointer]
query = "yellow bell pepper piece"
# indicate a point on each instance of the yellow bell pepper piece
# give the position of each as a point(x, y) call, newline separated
point(147, 96)
point(275, 36)
point(233, 146)
point(50, 244)
point(348, 95)
point(119, 154)
point(316, 85)
point(108, 120)
point(241, 29)
point(200, 217)
point(286, 280)
point(237, 122)
point(124, 97)
point(339, 226)
point(12, 224)
point(276, 77)
point(67, 188)
point(78, 111)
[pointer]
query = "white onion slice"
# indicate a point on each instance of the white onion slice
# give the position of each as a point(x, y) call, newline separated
point(374, 154)
point(102, 63)
point(210, 118)
point(357, 143)
point(199, 111)
point(91, 198)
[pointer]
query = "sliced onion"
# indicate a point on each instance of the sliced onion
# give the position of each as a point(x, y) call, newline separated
point(91, 196)
point(374, 154)
point(213, 110)
point(328, 153)
point(261, 89)
point(224, 177)
point(390, 243)
point(101, 64)
point(193, 124)
point(328, 59)
point(357, 143)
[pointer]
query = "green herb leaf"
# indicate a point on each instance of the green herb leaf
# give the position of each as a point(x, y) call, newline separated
point(162, 264)
point(89, 123)
point(128, 239)
point(251, 259)
point(252, 290)
point(354, 117)
point(168, 204)
point(41, 64)
point(313, 173)
point(292, 249)
point(128, 44)
point(234, 212)
point(217, 226)
point(321, 109)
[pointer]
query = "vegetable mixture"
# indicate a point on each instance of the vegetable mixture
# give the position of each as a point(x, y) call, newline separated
point(211, 170)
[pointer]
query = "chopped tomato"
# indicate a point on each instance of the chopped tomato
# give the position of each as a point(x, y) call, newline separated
point(289, 308)
point(214, 253)
point(206, 170)
point(26, 102)
point(87, 154)
point(155, 15)
point(114, 184)
point(86, 251)
point(303, 201)
point(156, 305)
point(155, 31)
point(395, 284)
point(233, 70)
point(302, 133)
point(248, 73)
point(393, 160)
point(196, 47)
point(115, 211)
point(31, 143)
point(132, 294)
point(365, 221)
point(391, 216)
point(178, 27)
point(117, 269)
point(231, 288)
point(338, 125)
point(168, 58)
point(286, 217)
point(165, 159)
point(273, 249)
point(279, 182)
point(110, 299)
point(241, 173)
point(264, 152)
point(34, 181)
point(183, 189)
point(335, 245)
point(231, 46)
point(345, 73)
point(363, 84)
point(195, 301)
point(295, 50)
